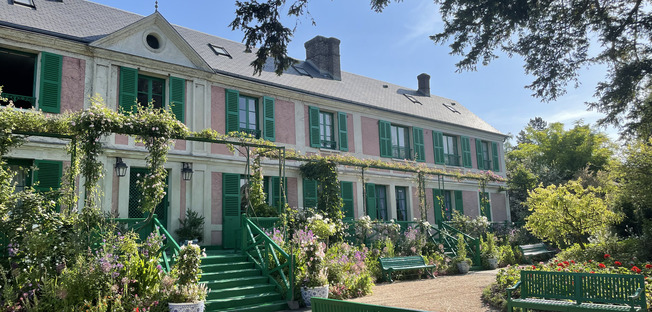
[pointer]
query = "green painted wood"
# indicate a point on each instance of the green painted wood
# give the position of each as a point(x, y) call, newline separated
point(438, 144)
point(230, 210)
point(178, 98)
point(372, 209)
point(269, 121)
point(313, 119)
point(232, 98)
point(389, 265)
point(479, 155)
point(48, 175)
point(310, 193)
point(438, 198)
point(459, 202)
point(333, 305)
point(485, 206)
point(343, 131)
point(494, 157)
point(466, 152)
point(128, 89)
point(50, 87)
point(276, 197)
point(419, 145)
point(346, 189)
point(385, 136)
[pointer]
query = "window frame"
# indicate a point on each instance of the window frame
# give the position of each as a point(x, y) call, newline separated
point(255, 132)
point(455, 148)
point(486, 154)
point(382, 214)
point(448, 205)
point(332, 143)
point(19, 97)
point(400, 201)
point(149, 92)
point(396, 148)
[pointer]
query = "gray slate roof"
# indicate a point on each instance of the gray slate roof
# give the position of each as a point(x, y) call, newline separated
point(86, 22)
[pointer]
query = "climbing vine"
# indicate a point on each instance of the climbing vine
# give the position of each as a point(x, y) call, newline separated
point(329, 196)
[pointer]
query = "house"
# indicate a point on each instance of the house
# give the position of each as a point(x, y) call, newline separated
point(55, 54)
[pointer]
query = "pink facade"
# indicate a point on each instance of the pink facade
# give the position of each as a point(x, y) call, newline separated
point(292, 192)
point(216, 198)
point(429, 146)
point(216, 238)
point(371, 142)
point(218, 121)
point(430, 206)
point(284, 122)
point(121, 139)
point(355, 200)
point(498, 207)
point(182, 197)
point(416, 212)
point(306, 118)
point(115, 191)
point(474, 156)
point(471, 203)
point(180, 145)
point(350, 133)
point(72, 84)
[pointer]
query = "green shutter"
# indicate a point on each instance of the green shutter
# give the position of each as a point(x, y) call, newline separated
point(178, 98)
point(128, 89)
point(485, 209)
point(494, 156)
point(269, 130)
point(347, 198)
point(231, 194)
point(479, 155)
point(419, 147)
point(309, 193)
point(372, 210)
point(438, 143)
point(466, 152)
point(438, 199)
point(385, 135)
point(459, 202)
point(313, 118)
point(343, 133)
point(231, 103)
point(276, 198)
point(50, 88)
point(48, 175)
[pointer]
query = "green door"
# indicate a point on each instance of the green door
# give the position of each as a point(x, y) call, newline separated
point(136, 195)
point(231, 228)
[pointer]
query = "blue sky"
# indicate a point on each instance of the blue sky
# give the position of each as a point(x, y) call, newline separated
point(393, 46)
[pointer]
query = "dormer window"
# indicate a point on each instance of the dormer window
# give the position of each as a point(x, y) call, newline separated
point(27, 3)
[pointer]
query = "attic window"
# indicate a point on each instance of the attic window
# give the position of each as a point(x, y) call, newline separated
point(153, 42)
point(452, 108)
point(302, 71)
point(27, 3)
point(412, 99)
point(219, 50)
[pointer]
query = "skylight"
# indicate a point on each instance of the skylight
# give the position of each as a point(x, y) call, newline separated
point(28, 3)
point(452, 108)
point(412, 99)
point(219, 50)
point(302, 71)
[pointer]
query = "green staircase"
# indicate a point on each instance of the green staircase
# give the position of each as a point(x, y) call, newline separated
point(446, 235)
point(236, 285)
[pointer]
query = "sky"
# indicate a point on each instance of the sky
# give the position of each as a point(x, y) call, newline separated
point(394, 46)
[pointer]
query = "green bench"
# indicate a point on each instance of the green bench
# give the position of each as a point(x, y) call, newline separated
point(332, 305)
point(532, 250)
point(389, 265)
point(565, 291)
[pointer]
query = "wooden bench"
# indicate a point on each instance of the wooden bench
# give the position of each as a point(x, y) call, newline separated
point(389, 265)
point(332, 305)
point(565, 291)
point(532, 250)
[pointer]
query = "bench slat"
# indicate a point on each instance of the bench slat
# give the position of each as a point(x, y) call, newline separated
point(389, 265)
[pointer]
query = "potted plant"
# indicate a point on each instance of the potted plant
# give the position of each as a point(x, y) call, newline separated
point(463, 262)
point(187, 295)
point(314, 279)
point(490, 252)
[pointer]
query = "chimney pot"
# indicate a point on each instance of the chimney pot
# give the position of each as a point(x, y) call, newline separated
point(424, 84)
point(324, 54)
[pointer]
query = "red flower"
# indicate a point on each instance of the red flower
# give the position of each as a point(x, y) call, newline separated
point(561, 264)
point(636, 269)
point(592, 272)
point(590, 260)
point(559, 269)
point(534, 267)
point(566, 262)
point(607, 256)
point(573, 262)
point(617, 263)
point(648, 266)
point(602, 266)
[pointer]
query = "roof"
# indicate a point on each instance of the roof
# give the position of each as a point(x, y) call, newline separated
point(85, 21)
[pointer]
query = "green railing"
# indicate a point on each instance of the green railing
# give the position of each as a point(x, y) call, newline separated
point(170, 248)
point(330, 305)
point(448, 237)
point(16, 97)
point(266, 223)
point(271, 259)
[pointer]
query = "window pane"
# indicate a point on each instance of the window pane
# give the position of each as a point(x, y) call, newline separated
point(158, 101)
point(142, 99)
point(157, 87)
point(381, 203)
point(143, 85)
point(252, 120)
point(242, 103)
point(252, 105)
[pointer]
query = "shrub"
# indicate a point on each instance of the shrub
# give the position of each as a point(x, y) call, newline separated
point(348, 273)
point(192, 227)
point(187, 271)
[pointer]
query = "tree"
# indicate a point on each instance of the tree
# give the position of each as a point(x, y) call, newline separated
point(556, 38)
point(568, 213)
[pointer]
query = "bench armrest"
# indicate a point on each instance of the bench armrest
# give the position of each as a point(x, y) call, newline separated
point(510, 289)
point(636, 295)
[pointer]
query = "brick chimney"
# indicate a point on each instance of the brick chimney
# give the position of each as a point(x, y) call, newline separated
point(324, 54)
point(424, 84)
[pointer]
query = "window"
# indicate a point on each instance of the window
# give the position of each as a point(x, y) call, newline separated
point(23, 173)
point(248, 115)
point(376, 201)
point(381, 202)
point(151, 91)
point(219, 50)
point(28, 3)
point(487, 155)
point(448, 205)
point(326, 133)
point(400, 145)
point(451, 155)
point(485, 205)
point(401, 203)
point(20, 86)
point(412, 99)
point(451, 108)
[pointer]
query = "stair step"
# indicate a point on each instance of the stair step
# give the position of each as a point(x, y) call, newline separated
point(274, 306)
point(239, 301)
point(225, 258)
point(241, 290)
point(220, 267)
point(229, 274)
point(218, 285)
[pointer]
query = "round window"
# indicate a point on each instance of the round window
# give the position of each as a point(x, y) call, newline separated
point(153, 42)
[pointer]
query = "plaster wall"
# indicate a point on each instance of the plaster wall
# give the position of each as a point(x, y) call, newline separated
point(73, 79)
point(371, 141)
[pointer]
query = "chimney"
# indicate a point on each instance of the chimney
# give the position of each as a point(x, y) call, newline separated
point(324, 54)
point(424, 84)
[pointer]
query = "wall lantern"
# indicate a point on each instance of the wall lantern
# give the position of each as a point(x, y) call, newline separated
point(120, 167)
point(187, 171)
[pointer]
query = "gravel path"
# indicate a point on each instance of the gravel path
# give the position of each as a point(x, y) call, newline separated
point(444, 293)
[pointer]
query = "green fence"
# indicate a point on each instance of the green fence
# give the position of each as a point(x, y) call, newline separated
point(332, 305)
